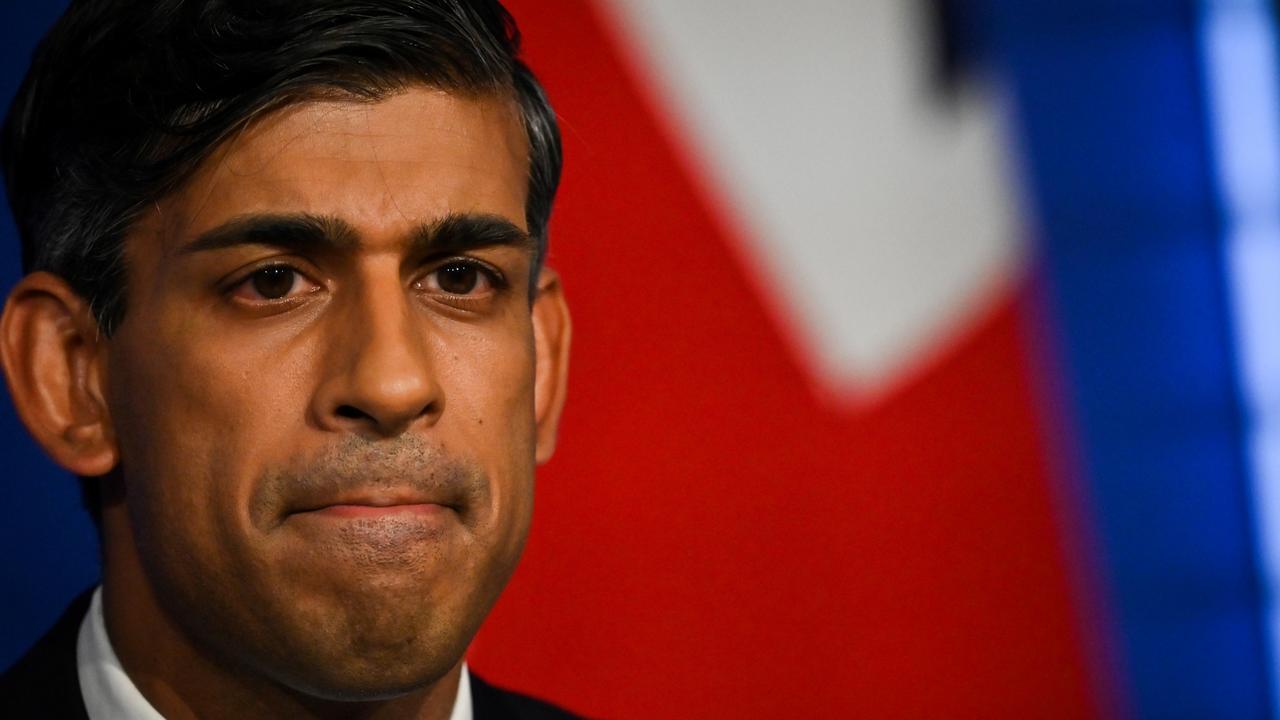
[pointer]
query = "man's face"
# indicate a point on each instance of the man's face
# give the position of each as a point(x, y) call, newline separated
point(323, 391)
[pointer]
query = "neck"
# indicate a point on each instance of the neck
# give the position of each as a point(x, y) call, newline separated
point(182, 680)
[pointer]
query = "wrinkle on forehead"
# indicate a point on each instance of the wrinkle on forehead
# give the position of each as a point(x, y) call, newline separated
point(310, 127)
point(285, 155)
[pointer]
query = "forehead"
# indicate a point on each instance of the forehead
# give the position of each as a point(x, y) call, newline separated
point(384, 167)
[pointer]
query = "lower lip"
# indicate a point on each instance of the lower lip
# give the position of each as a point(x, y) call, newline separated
point(376, 535)
point(377, 511)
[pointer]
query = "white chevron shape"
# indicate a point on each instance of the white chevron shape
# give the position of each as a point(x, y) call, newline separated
point(880, 216)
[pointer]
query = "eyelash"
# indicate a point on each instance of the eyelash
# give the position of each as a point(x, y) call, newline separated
point(497, 281)
point(246, 278)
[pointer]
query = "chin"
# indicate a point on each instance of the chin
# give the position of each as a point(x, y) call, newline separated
point(360, 674)
point(357, 643)
point(366, 685)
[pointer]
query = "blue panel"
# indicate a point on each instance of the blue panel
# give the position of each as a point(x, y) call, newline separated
point(1110, 106)
point(50, 551)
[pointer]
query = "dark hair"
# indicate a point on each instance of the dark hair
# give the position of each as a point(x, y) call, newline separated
point(125, 98)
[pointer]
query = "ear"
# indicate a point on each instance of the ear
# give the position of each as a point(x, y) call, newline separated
point(551, 334)
point(54, 361)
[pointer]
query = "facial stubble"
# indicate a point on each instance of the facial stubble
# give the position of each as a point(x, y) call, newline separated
point(366, 609)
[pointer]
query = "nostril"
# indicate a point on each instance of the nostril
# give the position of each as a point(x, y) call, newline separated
point(379, 420)
point(351, 412)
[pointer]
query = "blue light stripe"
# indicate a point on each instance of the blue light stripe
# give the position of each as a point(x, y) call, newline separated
point(1239, 45)
point(1124, 183)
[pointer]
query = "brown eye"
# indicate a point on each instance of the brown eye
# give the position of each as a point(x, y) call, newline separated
point(274, 283)
point(458, 279)
point(272, 287)
point(461, 281)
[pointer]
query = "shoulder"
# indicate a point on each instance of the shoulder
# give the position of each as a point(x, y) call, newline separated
point(494, 703)
point(45, 682)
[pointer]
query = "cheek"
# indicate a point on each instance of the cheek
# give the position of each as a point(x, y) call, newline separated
point(195, 416)
point(489, 391)
point(489, 416)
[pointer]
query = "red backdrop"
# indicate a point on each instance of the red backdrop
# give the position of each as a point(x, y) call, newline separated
point(715, 539)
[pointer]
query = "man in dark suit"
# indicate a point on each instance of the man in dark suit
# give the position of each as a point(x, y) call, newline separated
point(286, 317)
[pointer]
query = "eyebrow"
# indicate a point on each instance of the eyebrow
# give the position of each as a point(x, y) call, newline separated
point(299, 232)
point(306, 233)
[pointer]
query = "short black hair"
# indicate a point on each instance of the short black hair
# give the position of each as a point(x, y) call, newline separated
point(125, 99)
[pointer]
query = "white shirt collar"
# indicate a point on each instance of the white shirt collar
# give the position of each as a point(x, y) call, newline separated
point(109, 694)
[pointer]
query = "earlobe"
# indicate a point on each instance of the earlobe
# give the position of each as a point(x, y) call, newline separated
point(53, 360)
point(552, 332)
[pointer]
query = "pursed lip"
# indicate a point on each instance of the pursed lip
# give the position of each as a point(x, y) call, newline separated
point(371, 503)
point(392, 525)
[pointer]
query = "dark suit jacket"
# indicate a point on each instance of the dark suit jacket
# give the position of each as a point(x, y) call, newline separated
point(45, 682)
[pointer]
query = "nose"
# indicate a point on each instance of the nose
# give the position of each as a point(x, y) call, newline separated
point(380, 377)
